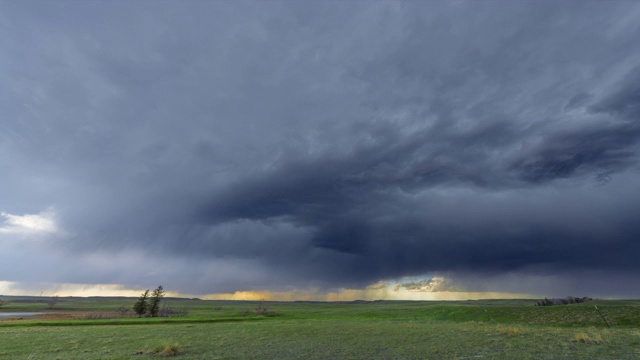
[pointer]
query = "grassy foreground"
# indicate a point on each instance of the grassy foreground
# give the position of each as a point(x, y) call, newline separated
point(498, 329)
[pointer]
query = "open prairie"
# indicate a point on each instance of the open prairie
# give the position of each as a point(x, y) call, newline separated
point(93, 328)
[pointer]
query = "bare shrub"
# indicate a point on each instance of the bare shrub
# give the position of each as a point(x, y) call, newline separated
point(260, 309)
point(121, 312)
point(96, 315)
point(51, 303)
point(167, 311)
point(124, 311)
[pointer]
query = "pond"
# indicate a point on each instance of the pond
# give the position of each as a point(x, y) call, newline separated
point(4, 315)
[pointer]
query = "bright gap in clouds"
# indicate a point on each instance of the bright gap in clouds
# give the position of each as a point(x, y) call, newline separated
point(43, 223)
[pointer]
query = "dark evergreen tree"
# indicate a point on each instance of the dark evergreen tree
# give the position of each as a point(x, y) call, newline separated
point(141, 306)
point(154, 303)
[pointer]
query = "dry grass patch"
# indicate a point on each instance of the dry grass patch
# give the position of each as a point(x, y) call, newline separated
point(167, 349)
point(509, 330)
point(585, 338)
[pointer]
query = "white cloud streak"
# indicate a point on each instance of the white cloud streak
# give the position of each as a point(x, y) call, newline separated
point(43, 223)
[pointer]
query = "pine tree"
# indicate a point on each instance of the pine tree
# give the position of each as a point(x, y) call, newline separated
point(154, 305)
point(140, 307)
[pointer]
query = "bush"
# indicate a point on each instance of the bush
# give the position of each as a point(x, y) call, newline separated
point(565, 301)
point(260, 309)
point(123, 311)
point(96, 315)
point(167, 311)
point(53, 301)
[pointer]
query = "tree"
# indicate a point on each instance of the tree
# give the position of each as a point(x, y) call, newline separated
point(154, 305)
point(140, 307)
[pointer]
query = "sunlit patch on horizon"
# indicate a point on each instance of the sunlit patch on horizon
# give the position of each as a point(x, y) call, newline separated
point(409, 288)
point(359, 294)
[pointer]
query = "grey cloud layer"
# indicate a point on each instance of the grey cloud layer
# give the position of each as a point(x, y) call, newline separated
point(329, 144)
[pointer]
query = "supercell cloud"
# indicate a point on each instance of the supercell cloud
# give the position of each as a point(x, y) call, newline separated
point(217, 147)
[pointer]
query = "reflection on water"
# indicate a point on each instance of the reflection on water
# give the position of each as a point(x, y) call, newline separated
point(14, 314)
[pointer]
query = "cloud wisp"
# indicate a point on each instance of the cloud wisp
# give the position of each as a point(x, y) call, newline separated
point(42, 223)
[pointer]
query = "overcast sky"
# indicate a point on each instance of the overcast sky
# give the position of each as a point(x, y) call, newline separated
point(221, 147)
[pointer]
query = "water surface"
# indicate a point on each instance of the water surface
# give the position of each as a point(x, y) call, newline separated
point(18, 314)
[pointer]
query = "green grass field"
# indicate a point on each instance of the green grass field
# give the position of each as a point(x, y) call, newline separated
point(489, 329)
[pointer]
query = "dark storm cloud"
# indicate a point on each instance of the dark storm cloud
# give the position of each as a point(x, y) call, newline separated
point(624, 101)
point(312, 144)
point(340, 197)
point(598, 150)
point(605, 147)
